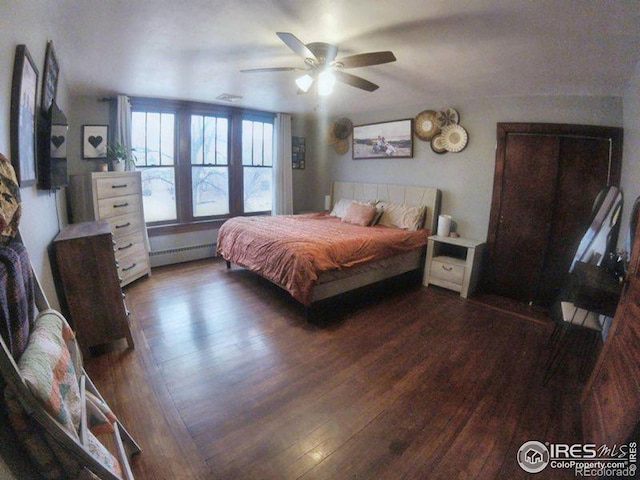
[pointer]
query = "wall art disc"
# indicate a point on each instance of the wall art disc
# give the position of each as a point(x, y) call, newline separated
point(341, 146)
point(437, 144)
point(448, 116)
point(330, 137)
point(342, 128)
point(455, 138)
point(425, 125)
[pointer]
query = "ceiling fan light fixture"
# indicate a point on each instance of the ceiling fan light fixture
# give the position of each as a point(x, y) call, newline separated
point(326, 81)
point(304, 82)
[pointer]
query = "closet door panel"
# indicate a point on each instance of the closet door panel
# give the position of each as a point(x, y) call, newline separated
point(582, 174)
point(525, 214)
point(547, 177)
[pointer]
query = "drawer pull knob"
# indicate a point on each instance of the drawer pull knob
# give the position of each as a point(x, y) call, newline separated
point(118, 205)
point(126, 246)
point(124, 225)
point(129, 267)
point(124, 185)
point(448, 269)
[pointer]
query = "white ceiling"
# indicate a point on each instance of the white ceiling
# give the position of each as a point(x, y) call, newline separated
point(445, 49)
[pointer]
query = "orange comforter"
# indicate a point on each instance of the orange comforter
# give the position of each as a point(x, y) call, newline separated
point(292, 250)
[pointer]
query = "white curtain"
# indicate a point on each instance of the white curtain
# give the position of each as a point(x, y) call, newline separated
point(123, 123)
point(282, 192)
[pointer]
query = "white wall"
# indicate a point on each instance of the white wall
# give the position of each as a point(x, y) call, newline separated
point(631, 152)
point(42, 212)
point(465, 178)
point(83, 110)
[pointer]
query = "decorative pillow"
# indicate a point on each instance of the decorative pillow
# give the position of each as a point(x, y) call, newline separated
point(48, 370)
point(340, 207)
point(408, 217)
point(359, 214)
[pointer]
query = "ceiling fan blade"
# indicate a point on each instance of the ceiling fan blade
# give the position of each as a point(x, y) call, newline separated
point(355, 81)
point(270, 69)
point(367, 59)
point(296, 45)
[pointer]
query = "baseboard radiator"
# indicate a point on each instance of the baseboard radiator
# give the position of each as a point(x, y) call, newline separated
point(181, 254)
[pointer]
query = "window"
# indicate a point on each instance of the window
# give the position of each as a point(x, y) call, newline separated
point(152, 138)
point(209, 165)
point(257, 156)
point(201, 163)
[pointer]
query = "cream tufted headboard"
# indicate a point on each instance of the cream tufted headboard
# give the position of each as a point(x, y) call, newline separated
point(392, 193)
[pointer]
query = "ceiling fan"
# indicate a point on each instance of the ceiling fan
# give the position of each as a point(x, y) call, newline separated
point(322, 68)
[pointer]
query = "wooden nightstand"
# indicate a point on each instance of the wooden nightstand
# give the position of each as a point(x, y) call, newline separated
point(453, 263)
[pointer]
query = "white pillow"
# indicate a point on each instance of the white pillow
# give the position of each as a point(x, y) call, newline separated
point(408, 217)
point(340, 207)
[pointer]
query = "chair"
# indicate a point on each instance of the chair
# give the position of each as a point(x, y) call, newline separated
point(52, 404)
point(72, 450)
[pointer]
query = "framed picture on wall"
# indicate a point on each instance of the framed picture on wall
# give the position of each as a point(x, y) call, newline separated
point(383, 140)
point(49, 78)
point(24, 90)
point(298, 153)
point(94, 142)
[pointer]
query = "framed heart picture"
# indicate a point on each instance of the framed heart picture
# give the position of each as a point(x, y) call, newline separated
point(94, 142)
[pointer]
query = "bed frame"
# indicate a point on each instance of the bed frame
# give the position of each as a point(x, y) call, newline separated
point(331, 284)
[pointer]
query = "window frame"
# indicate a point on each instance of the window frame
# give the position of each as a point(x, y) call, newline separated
point(183, 110)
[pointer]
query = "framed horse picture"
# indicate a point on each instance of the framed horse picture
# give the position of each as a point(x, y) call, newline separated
point(383, 140)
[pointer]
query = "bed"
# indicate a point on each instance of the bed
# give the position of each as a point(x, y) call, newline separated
point(317, 256)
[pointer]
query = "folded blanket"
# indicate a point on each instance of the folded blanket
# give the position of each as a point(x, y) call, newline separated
point(17, 304)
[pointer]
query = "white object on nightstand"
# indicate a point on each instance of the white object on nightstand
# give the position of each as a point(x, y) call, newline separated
point(453, 263)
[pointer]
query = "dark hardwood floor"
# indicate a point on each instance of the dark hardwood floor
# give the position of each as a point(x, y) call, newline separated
point(228, 380)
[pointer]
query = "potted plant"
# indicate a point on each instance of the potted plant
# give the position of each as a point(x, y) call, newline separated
point(119, 155)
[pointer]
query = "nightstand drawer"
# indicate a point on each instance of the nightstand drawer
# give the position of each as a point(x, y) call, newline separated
point(447, 269)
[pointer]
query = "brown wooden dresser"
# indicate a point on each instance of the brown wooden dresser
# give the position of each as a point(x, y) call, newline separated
point(117, 198)
point(86, 265)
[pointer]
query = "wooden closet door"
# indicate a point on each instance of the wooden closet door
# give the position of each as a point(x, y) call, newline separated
point(582, 174)
point(547, 177)
point(611, 398)
point(524, 214)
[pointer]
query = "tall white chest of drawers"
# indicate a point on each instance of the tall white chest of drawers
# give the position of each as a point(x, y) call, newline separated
point(117, 198)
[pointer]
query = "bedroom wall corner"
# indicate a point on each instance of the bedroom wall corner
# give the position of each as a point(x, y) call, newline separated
point(313, 183)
